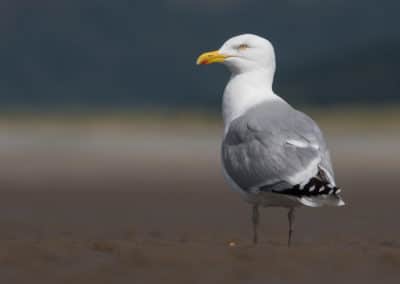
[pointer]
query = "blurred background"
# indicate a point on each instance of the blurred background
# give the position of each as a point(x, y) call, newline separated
point(110, 138)
point(130, 54)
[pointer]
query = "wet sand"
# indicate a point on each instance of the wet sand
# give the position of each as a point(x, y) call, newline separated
point(131, 205)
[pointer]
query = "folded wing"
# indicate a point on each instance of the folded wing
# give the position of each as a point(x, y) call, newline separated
point(275, 148)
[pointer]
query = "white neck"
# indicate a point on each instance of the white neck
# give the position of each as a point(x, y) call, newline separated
point(244, 91)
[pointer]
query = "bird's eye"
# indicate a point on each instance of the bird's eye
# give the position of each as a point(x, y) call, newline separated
point(243, 46)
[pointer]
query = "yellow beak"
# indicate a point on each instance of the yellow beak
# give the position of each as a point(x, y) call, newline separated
point(211, 57)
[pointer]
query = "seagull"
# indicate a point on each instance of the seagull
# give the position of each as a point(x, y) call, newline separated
point(272, 154)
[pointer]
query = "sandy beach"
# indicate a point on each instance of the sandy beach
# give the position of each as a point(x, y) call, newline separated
point(121, 203)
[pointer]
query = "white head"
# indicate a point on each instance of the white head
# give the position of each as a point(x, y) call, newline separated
point(243, 53)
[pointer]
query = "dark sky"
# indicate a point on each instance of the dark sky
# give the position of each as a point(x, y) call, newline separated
point(124, 53)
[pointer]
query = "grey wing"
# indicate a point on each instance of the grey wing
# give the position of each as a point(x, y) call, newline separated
point(275, 152)
point(314, 135)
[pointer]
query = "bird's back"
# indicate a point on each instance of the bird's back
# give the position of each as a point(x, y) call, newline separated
point(273, 147)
